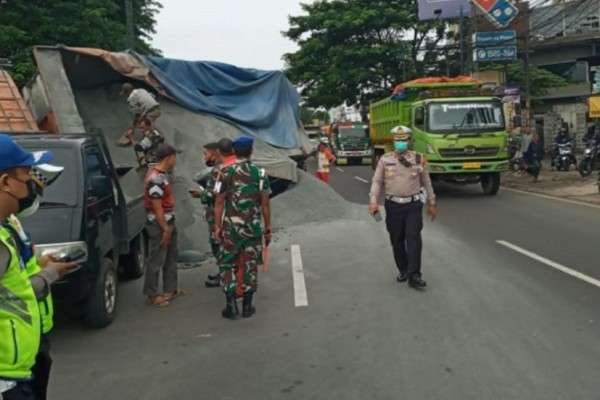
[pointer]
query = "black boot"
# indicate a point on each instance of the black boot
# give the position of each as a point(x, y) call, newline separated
point(248, 310)
point(402, 277)
point(230, 311)
point(416, 282)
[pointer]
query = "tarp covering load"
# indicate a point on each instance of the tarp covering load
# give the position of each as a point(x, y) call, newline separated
point(403, 90)
point(263, 102)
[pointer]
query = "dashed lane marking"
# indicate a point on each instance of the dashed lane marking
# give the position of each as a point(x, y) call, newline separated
point(300, 294)
point(550, 263)
point(361, 179)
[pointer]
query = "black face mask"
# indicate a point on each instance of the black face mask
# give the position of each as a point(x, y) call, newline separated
point(32, 194)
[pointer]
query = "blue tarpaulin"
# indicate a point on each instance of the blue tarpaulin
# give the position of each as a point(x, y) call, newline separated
point(263, 103)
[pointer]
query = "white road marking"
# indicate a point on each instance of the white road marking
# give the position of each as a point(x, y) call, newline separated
point(550, 263)
point(361, 179)
point(339, 169)
point(547, 197)
point(300, 295)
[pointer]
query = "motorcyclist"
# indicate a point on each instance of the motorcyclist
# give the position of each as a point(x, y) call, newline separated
point(561, 138)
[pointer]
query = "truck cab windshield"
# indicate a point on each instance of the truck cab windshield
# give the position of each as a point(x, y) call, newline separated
point(355, 132)
point(465, 117)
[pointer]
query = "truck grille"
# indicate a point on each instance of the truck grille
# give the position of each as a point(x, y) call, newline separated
point(469, 151)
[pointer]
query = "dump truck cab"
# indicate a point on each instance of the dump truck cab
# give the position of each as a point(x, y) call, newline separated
point(460, 131)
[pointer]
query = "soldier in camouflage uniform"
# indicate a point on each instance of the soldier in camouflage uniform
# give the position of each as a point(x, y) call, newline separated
point(241, 204)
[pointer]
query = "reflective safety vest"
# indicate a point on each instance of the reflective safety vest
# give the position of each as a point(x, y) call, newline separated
point(46, 304)
point(20, 325)
point(33, 267)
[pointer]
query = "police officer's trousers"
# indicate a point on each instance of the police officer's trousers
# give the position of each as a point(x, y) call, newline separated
point(404, 223)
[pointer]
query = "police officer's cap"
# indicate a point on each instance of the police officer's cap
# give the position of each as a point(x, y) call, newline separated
point(244, 142)
point(401, 133)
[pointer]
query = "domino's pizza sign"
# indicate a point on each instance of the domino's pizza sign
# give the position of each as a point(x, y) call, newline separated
point(499, 12)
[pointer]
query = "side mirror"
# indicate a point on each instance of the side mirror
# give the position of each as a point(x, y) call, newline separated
point(419, 117)
point(100, 186)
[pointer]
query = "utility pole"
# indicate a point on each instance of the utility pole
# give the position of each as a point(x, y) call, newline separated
point(526, 67)
point(462, 41)
point(130, 24)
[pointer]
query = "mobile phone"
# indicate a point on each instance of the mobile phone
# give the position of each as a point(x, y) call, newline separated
point(377, 216)
point(70, 255)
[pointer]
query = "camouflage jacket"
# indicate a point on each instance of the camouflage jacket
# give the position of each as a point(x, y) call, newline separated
point(208, 195)
point(243, 184)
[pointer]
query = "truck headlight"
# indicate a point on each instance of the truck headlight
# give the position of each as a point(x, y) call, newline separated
point(430, 149)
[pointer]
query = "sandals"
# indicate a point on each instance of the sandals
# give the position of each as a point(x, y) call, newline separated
point(174, 295)
point(158, 301)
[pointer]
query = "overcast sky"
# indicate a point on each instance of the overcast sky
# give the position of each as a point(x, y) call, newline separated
point(246, 33)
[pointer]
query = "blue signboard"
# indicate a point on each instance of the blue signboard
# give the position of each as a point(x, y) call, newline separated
point(500, 53)
point(502, 38)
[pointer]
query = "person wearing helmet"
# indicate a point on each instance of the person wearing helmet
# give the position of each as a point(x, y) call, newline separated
point(25, 280)
point(401, 175)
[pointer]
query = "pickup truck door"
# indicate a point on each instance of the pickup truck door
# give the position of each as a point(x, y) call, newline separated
point(100, 202)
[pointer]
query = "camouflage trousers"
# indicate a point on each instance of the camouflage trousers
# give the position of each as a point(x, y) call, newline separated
point(239, 274)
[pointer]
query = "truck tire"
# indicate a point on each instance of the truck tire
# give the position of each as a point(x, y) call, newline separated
point(490, 183)
point(375, 158)
point(134, 263)
point(102, 303)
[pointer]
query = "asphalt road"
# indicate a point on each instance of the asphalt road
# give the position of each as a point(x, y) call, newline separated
point(494, 323)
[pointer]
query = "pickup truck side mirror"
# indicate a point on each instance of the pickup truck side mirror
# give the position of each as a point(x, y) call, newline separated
point(100, 186)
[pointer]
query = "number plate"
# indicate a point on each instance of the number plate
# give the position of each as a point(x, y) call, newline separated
point(472, 165)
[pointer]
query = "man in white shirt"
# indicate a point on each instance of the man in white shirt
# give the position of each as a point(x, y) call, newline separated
point(145, 110)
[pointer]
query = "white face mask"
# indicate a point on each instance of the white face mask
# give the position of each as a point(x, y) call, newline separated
point(32, 209)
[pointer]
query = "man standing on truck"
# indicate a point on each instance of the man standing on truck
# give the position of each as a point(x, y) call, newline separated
point(145, 110)
point(159, 202)
point(24, 280)
point(402, 174)
point(242, 202)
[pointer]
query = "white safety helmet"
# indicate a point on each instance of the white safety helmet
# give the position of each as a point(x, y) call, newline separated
point(401, 132)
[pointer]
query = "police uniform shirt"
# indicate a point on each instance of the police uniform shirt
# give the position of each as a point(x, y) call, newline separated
point(399, 180)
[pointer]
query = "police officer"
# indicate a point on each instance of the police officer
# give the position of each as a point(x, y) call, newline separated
point(22, 284)
point(402, 174)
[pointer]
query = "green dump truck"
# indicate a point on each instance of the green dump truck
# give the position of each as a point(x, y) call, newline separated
point(351, 143)
point(459, 128)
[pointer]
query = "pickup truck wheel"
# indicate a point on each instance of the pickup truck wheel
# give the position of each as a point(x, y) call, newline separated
point(490, 183)
point(134, 263)
point(102, 304)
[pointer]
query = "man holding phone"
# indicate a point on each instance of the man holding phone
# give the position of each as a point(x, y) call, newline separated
point(24, 280)
point(402, 174)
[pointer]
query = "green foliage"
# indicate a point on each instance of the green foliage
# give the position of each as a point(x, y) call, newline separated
point(354, 51)
point(84, 23)
point(540, 79)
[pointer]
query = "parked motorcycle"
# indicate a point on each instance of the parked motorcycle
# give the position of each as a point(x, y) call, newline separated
point(514, 152)
point(564, 156)
point(590, 156)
